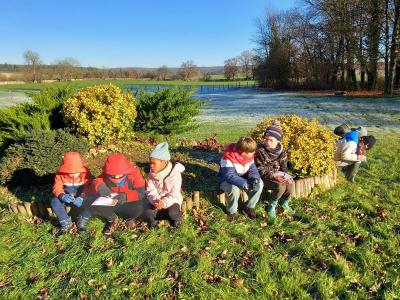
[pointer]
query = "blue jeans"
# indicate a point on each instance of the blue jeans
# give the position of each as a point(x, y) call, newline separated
point(59, 208)
point(233, 193)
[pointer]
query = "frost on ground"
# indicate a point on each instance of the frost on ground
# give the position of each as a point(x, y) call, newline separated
point(248, 107)
point(8, 98)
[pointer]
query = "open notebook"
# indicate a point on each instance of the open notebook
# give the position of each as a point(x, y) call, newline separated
point(105, 201)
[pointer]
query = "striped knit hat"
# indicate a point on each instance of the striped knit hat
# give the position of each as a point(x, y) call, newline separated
point(274, 130)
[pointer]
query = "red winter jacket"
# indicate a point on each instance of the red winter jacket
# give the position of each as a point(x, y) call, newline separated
point(117, 164)
point(72, 163)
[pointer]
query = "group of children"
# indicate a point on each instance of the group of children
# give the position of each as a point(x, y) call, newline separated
point(122, 183)
point(245, 167)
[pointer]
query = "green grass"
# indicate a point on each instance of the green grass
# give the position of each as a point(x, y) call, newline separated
point(342, 244)
point(119, 82)
point(224, 132)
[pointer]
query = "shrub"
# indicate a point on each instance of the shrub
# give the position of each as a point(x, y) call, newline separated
point(167, 111)
point(43, 112)
point(309, 145)
point(101, 113)
point(37, 154)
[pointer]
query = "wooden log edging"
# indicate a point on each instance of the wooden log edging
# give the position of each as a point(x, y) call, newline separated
point(303, 187)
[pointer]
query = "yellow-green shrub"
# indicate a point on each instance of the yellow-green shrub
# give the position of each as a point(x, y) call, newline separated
point(101, 113)
point(309, 145)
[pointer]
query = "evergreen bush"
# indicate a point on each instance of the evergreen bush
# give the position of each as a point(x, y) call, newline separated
point(170, 110)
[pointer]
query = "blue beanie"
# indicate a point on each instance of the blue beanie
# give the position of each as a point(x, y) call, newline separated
point(161, 152)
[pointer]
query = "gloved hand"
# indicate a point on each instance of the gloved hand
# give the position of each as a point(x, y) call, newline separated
point(254, 184)
point(78, 202)
point(66, 198)
point(121, 197)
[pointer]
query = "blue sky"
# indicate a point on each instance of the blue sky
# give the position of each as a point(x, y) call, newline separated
point(131, 33)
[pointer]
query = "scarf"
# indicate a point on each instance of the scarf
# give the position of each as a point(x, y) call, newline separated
point(274, 153)
point(160, 176)
point(231, 154)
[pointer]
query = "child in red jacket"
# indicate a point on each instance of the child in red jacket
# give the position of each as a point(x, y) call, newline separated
point(119, 180)
point(70, 185)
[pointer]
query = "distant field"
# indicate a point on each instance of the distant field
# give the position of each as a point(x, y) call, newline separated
point(119, 82)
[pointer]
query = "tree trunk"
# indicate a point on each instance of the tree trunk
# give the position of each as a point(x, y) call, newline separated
point(386, 44)
point(374, 32)
point(397, 75)
point(393, 48)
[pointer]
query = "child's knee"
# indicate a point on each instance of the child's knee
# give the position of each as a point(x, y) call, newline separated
point(236, 191)
point(55, 202)
point(174, 211)
point(260, 185)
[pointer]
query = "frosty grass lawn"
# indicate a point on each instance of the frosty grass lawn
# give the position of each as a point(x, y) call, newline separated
point(341, 244)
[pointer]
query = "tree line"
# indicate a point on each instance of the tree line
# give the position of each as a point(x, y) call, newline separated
point(69, 68)
point(335, 44)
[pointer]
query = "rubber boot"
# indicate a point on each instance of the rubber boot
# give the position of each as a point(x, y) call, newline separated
point(352, 172)
point(271, 209)
point(286, 208)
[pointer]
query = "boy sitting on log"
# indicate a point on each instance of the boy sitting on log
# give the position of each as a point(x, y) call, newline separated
point(271, 161)
point(164, 187)
point(238, 172)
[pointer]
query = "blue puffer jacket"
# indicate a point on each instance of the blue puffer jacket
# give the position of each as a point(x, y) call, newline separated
point(236, 169)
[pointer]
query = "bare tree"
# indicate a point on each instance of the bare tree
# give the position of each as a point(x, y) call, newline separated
point(188, 70)
point(32, 59)
point(66, 68)
point(162, 72)
point(246, 60)
point(231, 68)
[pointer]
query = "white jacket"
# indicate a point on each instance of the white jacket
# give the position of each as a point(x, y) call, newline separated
point(345, 153)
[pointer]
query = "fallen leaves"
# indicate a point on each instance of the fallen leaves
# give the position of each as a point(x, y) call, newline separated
point(380, 213)
point(91, 282)
point(202, 225)
point(44, 294)
point(247, 260)
point(281, 237)
point(4, 283)
point(73, 280)
point(355, 238)
point(221, 258)
point(213, 278)
point(109, 263)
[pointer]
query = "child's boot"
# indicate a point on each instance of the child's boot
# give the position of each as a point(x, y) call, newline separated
point(66, 225)
point(271, 209)
point(110, 226)
point(82, 222)
point(286, 207)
